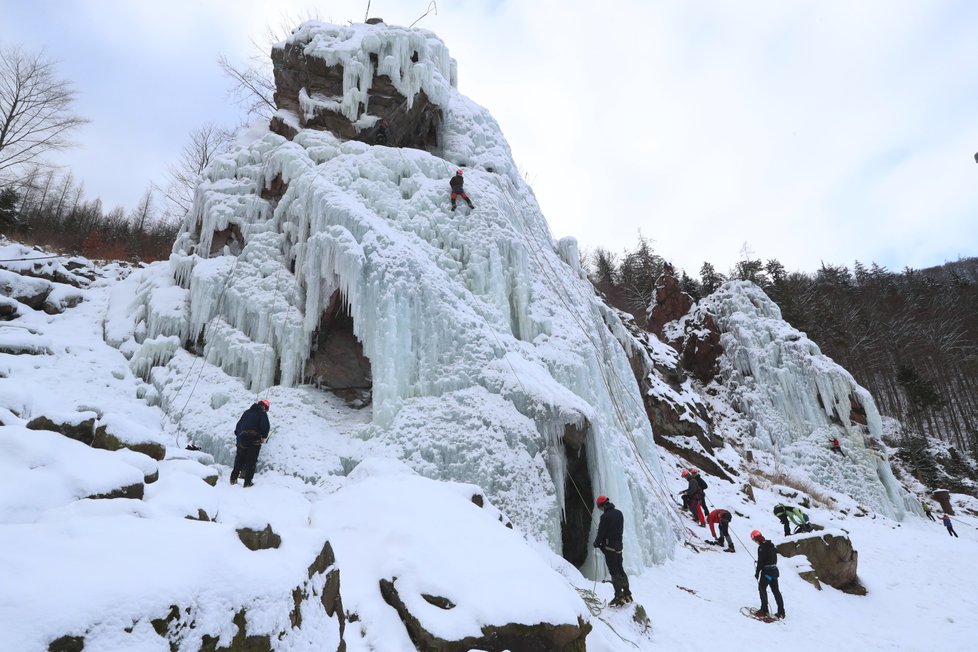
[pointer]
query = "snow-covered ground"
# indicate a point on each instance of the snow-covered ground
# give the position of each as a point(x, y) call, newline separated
point(88, 567)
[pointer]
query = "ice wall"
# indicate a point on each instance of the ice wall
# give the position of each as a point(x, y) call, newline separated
point(799, 400)
point(484, 341)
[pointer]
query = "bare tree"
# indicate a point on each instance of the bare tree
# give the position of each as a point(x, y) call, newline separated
point(206, 142)
point(253, 82)
point(35, 111)
point(253, 89)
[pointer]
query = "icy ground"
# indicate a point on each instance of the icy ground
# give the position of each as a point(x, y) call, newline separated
point(74, 565)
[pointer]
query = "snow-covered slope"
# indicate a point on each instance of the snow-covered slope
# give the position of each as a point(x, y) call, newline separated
point(796, 401)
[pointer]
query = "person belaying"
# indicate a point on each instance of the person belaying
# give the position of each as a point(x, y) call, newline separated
point(250, 432)
point(695, 496)
point(927, 511)
point(457, 190)
point(781, 511)
point(766, 573)
point(946, 520)
point(721, 517)
point(800, 519)
point(380, 136)
point(609, 541)
point(836, 447)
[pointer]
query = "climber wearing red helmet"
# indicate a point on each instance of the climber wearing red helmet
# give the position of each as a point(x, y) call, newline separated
point(609, 541)
point(766, 573)
point(695, 496)
point(250, 432)
point(457, 191)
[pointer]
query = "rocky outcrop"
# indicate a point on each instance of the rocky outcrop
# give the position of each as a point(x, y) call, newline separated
point(100, 437)
point(299, 76)
point(337, 362)
point(669, 302)
point(832, 559)
point(578, 496)
point(259, 539)
point(542, 637)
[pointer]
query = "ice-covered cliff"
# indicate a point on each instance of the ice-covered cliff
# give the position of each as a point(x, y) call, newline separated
point(491, 360)
point(797, 401)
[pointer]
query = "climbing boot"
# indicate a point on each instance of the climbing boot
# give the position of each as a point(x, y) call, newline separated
point(248, 483)
point(780, 614)
point(729, 549)
point(762, 612)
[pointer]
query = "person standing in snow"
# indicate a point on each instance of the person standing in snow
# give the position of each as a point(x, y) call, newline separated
point(781, 511)
point(946, 520)
point(927, 511)
point(609, 541)
point(694, 494)
point(457, 191)
point(766, 573)
point(250, 432)
point(721, 517)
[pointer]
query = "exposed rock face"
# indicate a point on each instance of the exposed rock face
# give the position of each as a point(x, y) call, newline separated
point(700, 348)
point(578, 497)
point(86, 432)
point(299, 76)
point(669, 302)
point(832, 558)
point(259, 539)
point(337, 362)
point(542, 637)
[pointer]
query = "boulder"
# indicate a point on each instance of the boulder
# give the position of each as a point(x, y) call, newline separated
point(259, 539)
point(86, 432)
point(541, 637)
point(831, 557)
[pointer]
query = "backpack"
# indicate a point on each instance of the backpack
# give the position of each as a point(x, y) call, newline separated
point(701, 482)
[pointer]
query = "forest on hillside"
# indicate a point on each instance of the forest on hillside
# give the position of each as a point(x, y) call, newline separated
point(910, 336)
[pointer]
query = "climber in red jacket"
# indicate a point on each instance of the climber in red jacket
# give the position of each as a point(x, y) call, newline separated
point(722, 517)
point(457, 191)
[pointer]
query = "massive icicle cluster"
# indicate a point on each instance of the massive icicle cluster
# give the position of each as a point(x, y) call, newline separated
point(484, 337)
point(798, 400)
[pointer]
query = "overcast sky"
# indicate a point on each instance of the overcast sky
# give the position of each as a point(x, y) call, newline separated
point(812, 131)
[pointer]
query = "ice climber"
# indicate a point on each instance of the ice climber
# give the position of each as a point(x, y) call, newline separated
point(800, 519)
point(781, 511)
point(609, 541)
point(457, 191)
point(766, 573)
point(836, 448)
point(250, 432)
point(721, 517)
point(694, 493)
point(946, 520)
point(928, 510)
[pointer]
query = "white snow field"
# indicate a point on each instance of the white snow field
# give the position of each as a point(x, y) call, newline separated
point(485, 340)
point(95, 567)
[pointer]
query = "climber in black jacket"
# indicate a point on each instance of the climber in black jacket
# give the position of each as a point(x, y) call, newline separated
point(766, 573)
point(250, 432)
point(609, 541)
point(456, 184)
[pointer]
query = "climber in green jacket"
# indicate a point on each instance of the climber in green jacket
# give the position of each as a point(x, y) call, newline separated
point(800, 519)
